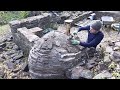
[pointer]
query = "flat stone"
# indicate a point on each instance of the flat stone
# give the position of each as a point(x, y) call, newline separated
point(25, 67)
point(2, 72)
point(91, 64)
point(14, 76)
point(10, 65)
point(20, 55)
point(116, 48)
point(2, 45)
point(25, 73)
point(103, 75)
point(10, 45)
point(117, 44)
point(9, 38)
point(93, 59)
point(109, 49)
point(6, 56)
point(17, 55)
point(87, 74)
point(3, 40)
point(107, 58)
point(1, 49)
point(98, 60)
point(1, 59)
point(103, 67)
point(111, 43)
point(82, 63)
point(115, 56)
point(16, 70)
point(79, 72)
point(15, 47)
point(18, 61)
point(10, 52)
point(2, 56)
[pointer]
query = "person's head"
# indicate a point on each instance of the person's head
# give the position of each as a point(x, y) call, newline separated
point(95, 27)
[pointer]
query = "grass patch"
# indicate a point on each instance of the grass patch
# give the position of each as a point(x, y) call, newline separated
point(4, 29)
point(6, 16)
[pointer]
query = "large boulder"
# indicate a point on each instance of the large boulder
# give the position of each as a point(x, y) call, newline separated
point(52, 56)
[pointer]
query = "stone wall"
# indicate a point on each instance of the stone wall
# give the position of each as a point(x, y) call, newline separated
point(19, 37)
point(30, 22)
point(26, 38)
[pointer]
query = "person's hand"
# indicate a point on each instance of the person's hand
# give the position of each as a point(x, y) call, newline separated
point(75, 42)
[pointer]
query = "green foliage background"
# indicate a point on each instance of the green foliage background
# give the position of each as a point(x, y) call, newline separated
point(6, 16)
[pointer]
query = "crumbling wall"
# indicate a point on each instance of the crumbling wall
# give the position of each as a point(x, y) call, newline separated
point(42, 21)
point(30, 22)
point(27, 38)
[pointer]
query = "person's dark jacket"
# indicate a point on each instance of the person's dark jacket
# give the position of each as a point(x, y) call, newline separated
point(93, 39)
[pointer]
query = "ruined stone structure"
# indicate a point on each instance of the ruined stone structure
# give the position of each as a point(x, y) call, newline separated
point(52, 54)
point(24, 37)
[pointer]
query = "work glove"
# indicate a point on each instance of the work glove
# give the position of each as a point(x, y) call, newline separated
point(75, 42)
point(75, 33)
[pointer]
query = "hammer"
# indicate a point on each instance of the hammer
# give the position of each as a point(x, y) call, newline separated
point(68, 23)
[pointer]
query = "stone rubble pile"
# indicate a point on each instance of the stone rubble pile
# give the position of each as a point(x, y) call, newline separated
point(12, 60)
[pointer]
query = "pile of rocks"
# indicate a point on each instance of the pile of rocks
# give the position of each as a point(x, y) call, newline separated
point(110, 63)
point(12, 60)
